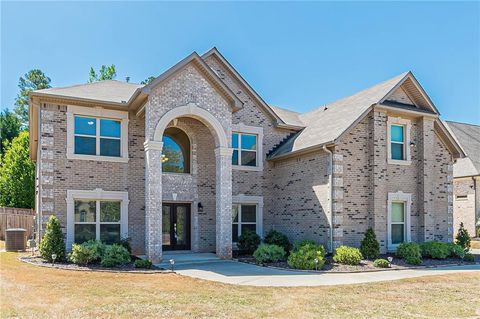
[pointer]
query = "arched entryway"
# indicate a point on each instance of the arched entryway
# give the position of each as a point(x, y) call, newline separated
point(223, 181)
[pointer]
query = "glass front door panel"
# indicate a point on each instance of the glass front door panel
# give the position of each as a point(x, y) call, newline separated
point(176, 226)
point(166, 221)
point(181, 226)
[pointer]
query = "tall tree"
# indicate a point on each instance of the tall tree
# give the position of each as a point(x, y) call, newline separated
point(9, 128)
point(17, 174)
point(148, 80)
point(32, 80)
point(104, 73)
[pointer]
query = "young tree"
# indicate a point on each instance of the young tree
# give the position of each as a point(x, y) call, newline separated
point(52, 242)
point(17, 174)
point(463, 238)
point(33, 80)
point(105, 73)
point(148, 80)
point(9, 128)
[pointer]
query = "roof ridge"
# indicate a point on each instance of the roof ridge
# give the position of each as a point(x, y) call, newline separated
point(470, 124)
point(84, 84)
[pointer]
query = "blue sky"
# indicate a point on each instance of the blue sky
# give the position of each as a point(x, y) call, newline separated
point(295, 55)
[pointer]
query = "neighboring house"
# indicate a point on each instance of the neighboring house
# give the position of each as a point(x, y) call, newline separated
point(196, 157)
point(466, 177)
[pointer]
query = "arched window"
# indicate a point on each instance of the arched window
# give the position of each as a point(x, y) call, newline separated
point(176, 151)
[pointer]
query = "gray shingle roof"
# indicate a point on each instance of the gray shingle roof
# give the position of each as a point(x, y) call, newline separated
point(468, 136)
point(107, 91)
point(287, 116)
point(325, 124)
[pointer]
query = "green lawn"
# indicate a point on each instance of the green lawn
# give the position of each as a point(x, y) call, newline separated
point(34, 292)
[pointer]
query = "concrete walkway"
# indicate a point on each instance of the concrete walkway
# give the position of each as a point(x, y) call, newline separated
point(232, 272)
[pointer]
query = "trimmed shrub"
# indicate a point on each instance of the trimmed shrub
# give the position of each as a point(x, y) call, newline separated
point(125, 242)
point(456, 251)
point(370, 248)
point(381, 263)
point(274, 237)
point(478, 229)
point(269, 253)
point(299, 244)
point(410, 252)
point(52, 242)
point(248, 241)
point(469, 258)
point(463, 238)
point(115, 255)
point(347, 255)
point(435, 250)
point(304, 257)
point(88, 252)
point(143, 263)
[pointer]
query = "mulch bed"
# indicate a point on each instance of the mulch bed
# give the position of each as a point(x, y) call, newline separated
point(128, 268)
point(365, 265)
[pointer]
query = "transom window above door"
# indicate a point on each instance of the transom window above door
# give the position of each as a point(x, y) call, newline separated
point(176, 151)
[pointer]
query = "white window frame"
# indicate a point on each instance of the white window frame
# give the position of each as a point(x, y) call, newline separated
point(398, 121)
point(97, 113)
point(97, 195)
point(242, 199)
point(407, 200)
point(249, 130)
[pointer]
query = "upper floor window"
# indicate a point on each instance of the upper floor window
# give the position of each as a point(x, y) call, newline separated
point(244, 149)
point(397, 142)
point(97, 134)
point(176, 151)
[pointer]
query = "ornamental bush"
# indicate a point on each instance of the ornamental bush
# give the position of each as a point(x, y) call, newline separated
point(347, 255)
point(125, 242)
point(456, 251)
point(381, 263)
point(299, 244)
point(435, 250)
point(269, 253)
point(410, 252)
point(463, 238)
point(370, 248)
point(143, 263)
point(274, 237)
point(248, 241)
point(304, 257)
point(89, 252)
point(469, 258)
point(52, 242)
point(115, 255)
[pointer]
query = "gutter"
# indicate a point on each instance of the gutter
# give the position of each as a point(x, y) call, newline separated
point(330, 183)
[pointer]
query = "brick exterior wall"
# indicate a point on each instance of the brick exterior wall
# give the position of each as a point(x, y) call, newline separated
point(464, 207)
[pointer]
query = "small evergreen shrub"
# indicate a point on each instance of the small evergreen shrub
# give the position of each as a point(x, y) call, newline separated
point(456, 251)
point(299, 244)
point(410, 252)
point(248, 241)
point(478, 229)
point(347, 255)
point(115, 255)
point(143, 263)
point(381, 263)
point(125, 242)
point(463, 238)
point(52, 242)
point(435, 250)
point(274, 237)
point(469, 258)
point(304, 257)
point(269, 253)
point(89, 252)
point(370, 248)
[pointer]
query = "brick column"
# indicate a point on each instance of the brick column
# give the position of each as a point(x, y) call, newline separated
point(426, 170)
point(153, 200)
point(223, 160)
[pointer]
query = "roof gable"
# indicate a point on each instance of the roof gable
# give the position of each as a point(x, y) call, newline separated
point(206, 71)
point(468, 136)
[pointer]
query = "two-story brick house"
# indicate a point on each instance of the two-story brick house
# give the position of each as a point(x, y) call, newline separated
point(196, 157)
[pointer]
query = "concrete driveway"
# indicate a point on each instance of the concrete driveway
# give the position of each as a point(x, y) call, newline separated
point(232, 272)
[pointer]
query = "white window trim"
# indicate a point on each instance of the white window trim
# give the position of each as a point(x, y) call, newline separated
point(98, 112)
point(398, 197)
point(407, 129)
point(95, 195)
point(256, 130)
point(252, 200)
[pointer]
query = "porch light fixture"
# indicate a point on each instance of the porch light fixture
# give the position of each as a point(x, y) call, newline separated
point(200, 207)
point(412, 144)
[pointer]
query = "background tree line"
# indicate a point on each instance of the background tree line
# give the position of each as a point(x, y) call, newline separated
point(17, 171)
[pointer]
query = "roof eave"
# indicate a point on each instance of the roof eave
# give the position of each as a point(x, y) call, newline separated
point(302, 151)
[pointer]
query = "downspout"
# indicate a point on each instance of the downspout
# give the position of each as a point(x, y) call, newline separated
point(330, 185)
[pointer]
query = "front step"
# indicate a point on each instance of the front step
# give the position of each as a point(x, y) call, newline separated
point(186, 258)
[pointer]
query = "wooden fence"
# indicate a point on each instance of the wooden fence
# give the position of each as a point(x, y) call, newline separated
point(16, 218)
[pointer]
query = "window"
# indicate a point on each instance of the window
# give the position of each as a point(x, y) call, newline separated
point(176, 151)
point(98, 215)
point(398, 219)
point(97, 134)
point(244, 149)
point(244, 217)
point(397, 142)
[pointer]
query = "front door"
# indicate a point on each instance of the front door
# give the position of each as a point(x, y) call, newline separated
point(176, 226)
